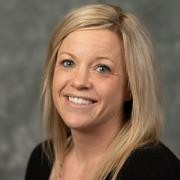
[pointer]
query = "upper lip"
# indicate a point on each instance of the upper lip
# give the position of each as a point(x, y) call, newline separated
point(80, 96)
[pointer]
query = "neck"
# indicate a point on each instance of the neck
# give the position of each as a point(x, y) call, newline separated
point(90, 146)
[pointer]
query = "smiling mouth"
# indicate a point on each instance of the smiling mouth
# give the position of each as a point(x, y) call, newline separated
point(80, 100)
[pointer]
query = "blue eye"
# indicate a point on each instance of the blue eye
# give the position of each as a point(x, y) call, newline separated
point(103, 69)
point(67, 63)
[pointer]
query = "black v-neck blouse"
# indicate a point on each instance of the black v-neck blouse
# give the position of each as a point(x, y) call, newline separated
point(150, 163)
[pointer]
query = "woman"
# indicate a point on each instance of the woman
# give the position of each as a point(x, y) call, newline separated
point(101, 102)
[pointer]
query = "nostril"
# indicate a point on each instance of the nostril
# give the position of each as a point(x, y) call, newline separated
point(80, 86)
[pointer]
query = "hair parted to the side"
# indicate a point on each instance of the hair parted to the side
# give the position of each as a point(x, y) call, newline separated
point(145, 114)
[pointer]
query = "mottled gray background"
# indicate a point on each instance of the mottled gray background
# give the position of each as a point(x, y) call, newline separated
point(25, 28)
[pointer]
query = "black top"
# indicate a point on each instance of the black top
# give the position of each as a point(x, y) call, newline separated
point(150, 163)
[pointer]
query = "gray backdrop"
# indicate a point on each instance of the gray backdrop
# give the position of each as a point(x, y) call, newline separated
point(25, 28)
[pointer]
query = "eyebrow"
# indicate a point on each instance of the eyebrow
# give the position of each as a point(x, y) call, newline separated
point(73, 56)
point(105, 58)
point(66, 53)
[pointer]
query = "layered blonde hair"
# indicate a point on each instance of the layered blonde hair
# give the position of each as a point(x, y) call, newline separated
point(143, 112)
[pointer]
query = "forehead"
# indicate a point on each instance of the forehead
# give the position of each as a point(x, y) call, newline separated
point(96, 40)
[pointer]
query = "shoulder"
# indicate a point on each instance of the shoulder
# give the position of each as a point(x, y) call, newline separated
point(39, 166)
point(151, 163)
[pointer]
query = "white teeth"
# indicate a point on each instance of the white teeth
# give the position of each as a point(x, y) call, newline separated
point(77, 100)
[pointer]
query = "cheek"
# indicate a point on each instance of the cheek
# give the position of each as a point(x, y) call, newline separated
point(56, 82)
point(111, 90)
point(59, 81)
point(55, 85)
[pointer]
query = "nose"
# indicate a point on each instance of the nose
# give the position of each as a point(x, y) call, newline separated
point(81, 79)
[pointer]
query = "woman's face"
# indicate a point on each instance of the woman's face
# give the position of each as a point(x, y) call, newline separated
point(89, 83)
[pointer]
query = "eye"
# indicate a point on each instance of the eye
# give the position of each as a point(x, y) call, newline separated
point(101, 68)
point(67, 63)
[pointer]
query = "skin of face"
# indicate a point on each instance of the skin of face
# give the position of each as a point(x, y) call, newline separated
point(89, 83)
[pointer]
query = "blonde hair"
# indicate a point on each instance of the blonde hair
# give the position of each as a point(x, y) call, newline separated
point(144, 110)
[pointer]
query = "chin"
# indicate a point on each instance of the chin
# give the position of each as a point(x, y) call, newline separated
point(78, 124)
